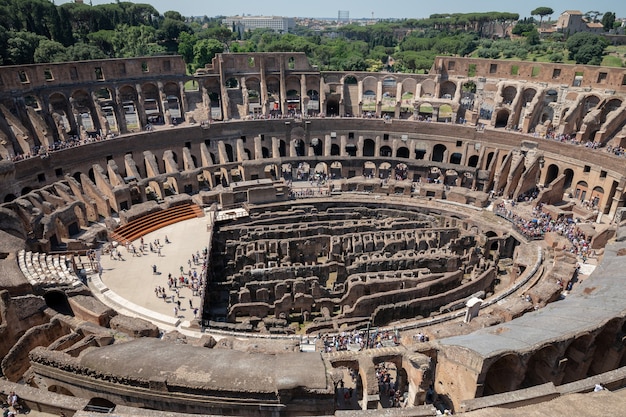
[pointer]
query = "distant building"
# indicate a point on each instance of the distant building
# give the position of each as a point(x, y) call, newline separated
point(343, 16)
point(245, 23)
point(572, 21)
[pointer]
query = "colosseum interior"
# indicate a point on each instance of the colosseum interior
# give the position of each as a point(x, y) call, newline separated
point(413, 243)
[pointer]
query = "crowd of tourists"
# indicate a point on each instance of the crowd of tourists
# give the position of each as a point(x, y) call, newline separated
point(542, 222)
point(359, 340)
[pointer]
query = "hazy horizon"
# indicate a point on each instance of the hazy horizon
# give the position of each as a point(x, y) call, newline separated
point(402, 9)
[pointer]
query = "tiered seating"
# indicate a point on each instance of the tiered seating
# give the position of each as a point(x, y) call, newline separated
point(46, 269)
point(154, 221)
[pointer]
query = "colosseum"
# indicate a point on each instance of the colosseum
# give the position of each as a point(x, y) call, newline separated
point(405, 244)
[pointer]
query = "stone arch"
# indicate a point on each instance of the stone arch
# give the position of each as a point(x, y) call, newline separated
point(57, 300)
point(349, 79)
point(82, 105)
point(59, 108)
point(445, 113)
point(503, 375)
point(229, 152)
point(265, 152)
point(577, 355)
point(369, 147)
point(569, 178)
point(384, 170)
point(605, 343)
point(318, 146)
point(282, 148)
point(456, 158)
point(401, 171)
point(425, 110)
point(508, 94)
point(270, 171)
point(447, 90)
point(332, 105)
point(421, 149)
point(299, 148)
point(541, 367)
point(335, 169)
point(402, 152)
point(428, 88)
point(385, 151)
point(597, 194)
point(528, 96)
point(552, 174)
point(581, 190)
point(321, 168)
point(473, 161)
point(502, 118)
point(369, 169)
point(231, 83)
point(490, 156)
point(334, 150)
point(439, 151)
point(100, 405)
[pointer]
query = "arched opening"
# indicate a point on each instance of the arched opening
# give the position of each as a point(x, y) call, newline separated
point(607, 343)
point(508, 95)
point(265, 152)
point(25, 191)
point(439, 152)
point(369, 169)
point(369, 147)
point(401, 172)
point(57, 301)
point(299, 147)
point(282, 148)
point(384, 170)
point(581, 190)
point(553, 172)
point(502, 375)
point(473, 161)
point(502, 118)
point(335, 169)
point(229, 152)
point(232, 83)
point(569, 178)
point(385, 151)
point(456, 158)
point(91, 175)
point(332, 106)
point(76, 176)
point(541, 367)
point(577, 359)
point(489, 159)
point(596, 196)
point(351, 149)
point(350, 79)
point(100, 405)
point(318, 146)
point(334, 150)
point(402, 152)
point(9, 197)
point(445, 113)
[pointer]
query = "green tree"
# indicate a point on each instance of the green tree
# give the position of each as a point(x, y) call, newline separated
point(608, 21)
point(586, 48)
point(82, 52)
point(50, 51)
point(541, 12)
point(204, 50)
point(21, 47)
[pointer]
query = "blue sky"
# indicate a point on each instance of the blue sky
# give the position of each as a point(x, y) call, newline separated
point(365, 8)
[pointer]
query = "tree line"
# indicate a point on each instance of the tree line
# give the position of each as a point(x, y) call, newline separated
point(37, 31)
